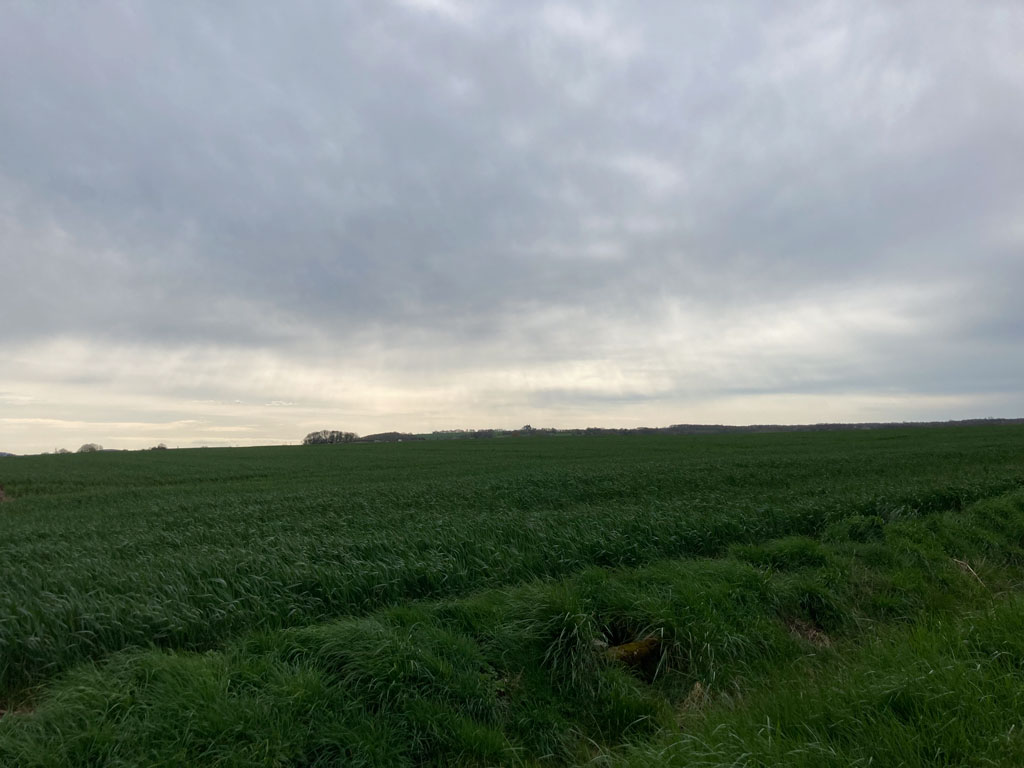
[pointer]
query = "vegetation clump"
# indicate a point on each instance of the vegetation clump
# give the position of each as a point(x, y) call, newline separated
point(329, 437)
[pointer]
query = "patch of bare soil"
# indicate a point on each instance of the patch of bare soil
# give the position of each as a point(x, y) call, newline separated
point(636, 653)
point(643, 657)
point(807, 631)
point(10, 710)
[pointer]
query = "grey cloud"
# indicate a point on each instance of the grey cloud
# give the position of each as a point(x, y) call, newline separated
point(344, 175)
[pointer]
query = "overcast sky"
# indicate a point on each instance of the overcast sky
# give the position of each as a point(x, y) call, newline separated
point(233, 223)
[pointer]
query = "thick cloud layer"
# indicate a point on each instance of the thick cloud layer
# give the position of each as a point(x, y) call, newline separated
point(236, 221)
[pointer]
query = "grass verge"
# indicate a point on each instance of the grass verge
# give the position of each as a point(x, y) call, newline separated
point(894, 641)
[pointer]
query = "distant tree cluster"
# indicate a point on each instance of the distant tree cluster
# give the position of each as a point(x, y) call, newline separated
point(90, 448)
point(329, 437)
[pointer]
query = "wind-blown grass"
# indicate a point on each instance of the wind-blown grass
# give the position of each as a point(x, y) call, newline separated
point(389, 605)
point(944, 692)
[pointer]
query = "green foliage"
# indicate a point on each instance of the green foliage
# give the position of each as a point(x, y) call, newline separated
point(801, 599)
point(329, 437)
point(859, 528)
point(941, 693)
point(791, 553)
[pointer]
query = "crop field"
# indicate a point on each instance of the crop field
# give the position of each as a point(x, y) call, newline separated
point(811, 599)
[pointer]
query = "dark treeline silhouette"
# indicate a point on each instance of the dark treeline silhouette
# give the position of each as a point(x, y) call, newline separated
point(718, 429)
point(700, 429)
point(330, 437)
point(334, 437)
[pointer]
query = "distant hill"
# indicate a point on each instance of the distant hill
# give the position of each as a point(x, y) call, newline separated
point(2, 454)
point(674, 429)
point(388, 437)
point(697, 429)
point(718, 429)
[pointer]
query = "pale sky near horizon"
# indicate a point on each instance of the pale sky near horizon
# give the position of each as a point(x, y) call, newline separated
point(233, 223)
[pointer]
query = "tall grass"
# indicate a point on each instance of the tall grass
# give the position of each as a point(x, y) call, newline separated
point(946, 692)
point(456, 603)
point(522, 675)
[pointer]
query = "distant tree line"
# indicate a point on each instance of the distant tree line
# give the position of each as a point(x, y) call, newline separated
point(329, 437)
point(326, 437)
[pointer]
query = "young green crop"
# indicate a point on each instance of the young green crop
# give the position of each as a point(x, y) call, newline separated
point(754, 653)
point(118, 568)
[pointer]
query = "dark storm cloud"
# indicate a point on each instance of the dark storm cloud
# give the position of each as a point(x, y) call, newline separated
point(533, 182)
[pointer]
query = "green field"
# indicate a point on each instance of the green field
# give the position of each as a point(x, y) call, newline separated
point(820, 598)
